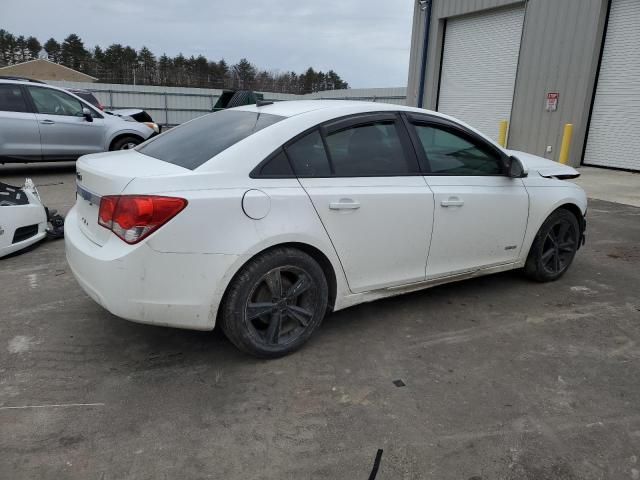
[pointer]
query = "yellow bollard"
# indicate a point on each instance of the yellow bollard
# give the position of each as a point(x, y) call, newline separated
point(502, 135)
point(566, 144)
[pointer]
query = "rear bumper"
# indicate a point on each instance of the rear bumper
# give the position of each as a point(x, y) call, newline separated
point(140, 284)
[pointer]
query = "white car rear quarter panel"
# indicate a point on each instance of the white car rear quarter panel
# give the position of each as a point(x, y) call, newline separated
point(214, 223)
point(140, 284)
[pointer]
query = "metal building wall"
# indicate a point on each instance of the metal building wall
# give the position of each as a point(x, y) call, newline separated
point(559, 53)
point(440, 11)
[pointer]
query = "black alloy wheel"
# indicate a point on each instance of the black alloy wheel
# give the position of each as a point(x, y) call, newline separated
point(559, 247)
point(554, 247)
point(280, 306)
point(274, 303)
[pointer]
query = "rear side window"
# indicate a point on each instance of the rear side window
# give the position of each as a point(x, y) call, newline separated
point(368, 150)
point(196, 142)
point(11, 99)
point(308, 156)
point(276, 167)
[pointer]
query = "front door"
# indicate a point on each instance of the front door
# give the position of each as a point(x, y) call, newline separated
point(370, 197)
point(480, 214)
point(64, 132)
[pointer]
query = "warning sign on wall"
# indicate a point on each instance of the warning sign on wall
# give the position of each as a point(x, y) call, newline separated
point(552, 101)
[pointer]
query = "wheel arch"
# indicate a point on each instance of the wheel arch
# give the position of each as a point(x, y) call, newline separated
point(123, 135)
point(566, 204)
point(313, 251)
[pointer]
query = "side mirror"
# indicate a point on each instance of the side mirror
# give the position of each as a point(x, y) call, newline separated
point(86, 113)
point(516, 169)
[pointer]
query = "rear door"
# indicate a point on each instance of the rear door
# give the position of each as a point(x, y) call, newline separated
point(19, 134)
point(480, 214)
point(64, 132)
point(363, 179)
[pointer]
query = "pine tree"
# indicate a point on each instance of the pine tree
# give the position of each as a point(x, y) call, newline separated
point(245, 73)
point(148, 66)
point(164, 69)
point(73, 54)
point(7, 46)
point(52, 47)
point(33, 47)
point(120, 63)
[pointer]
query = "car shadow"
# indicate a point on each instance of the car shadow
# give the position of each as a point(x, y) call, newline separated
point(25, 169)
point(152, 347)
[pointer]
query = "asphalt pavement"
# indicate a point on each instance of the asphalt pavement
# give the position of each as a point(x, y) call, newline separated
point(492, 378)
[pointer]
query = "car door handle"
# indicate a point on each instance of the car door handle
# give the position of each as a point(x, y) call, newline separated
point(344, 204)
point(47, 122)
point(452, 202)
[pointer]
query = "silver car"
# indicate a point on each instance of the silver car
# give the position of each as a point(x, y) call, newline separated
point(39, 122)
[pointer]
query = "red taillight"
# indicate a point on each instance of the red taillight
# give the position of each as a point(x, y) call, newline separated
point(134, 217)
point(101, 107)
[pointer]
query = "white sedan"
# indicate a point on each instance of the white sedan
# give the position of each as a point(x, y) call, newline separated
point(266, 217)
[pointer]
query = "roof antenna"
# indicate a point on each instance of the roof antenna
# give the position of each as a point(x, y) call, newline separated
point(262, 103)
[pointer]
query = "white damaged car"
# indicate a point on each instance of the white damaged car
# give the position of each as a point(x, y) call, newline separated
point(265, 217)
point(23, 218)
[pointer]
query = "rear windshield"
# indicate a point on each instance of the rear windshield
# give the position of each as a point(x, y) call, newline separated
point(194, 143)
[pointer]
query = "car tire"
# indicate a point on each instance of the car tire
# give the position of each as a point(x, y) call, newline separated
point(554, 247)
point(275, 303)
point(126, 143)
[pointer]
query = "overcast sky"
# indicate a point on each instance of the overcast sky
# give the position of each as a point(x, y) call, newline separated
point(365, 41)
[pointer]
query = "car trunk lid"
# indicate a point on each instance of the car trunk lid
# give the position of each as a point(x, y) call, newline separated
point(109, 174)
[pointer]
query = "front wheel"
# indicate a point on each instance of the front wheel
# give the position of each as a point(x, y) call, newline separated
point(275, 303)
point(126, 143)
point(554, 247)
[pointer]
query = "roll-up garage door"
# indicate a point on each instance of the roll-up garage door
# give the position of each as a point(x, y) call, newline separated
point(614, 131)
point(479, 65)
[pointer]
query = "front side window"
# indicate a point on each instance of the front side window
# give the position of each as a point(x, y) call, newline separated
point(11, 99)
point(196, 142)
point(368, 150)
point(448, 153)
point(53, 102)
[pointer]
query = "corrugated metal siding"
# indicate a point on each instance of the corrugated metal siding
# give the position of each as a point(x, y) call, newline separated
point(559, 53)
point(450, 8)
point(614, 133)
point(382, 95)
point(479, 67)
point(441, 10)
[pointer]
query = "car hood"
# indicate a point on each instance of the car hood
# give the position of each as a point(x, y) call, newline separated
point(544, 167)
point(125, 112)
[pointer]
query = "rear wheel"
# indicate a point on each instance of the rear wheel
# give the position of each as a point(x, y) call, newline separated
point(126, 143)
point(554, 247)
point(275, 303)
